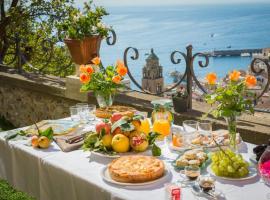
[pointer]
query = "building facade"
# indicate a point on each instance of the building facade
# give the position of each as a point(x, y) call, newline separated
point(152, 80)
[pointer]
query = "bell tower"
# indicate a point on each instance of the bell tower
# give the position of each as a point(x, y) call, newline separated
point(152, 80)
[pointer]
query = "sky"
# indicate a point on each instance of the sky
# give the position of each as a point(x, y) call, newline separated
point(170, 2)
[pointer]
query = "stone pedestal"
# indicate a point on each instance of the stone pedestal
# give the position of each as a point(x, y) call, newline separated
point(73, 86)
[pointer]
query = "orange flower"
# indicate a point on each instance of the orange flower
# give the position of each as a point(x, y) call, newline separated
point(82, 68)
point(96, 60)
point(250, 81)
point(234, 76)
point(121, 71)
point(211, 78)
point(116, 79)
point(84, 78)
point(89, 69)
point(120, 63)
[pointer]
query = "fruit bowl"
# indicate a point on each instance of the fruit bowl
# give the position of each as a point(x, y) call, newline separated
point(121, 135)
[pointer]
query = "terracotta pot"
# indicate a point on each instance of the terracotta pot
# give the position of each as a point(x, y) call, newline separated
point(83, 51)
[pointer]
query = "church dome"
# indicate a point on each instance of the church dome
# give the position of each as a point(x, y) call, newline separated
point(152, 56)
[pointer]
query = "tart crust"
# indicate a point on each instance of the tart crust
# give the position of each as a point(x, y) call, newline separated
point(108, 111)
point(136, 169)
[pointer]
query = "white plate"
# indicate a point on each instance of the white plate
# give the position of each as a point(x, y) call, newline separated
point(148, 152)
point(252, 173)
point(252, 158)
point(106, 176)
point(172, 147)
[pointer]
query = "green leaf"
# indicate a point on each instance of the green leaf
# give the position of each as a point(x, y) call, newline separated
point(47, 133)
point(152, 137)
point(127, 127)
point(156, 151)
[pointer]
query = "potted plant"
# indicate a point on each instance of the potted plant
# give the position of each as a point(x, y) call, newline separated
point(180, 100)
point(83, 32)
point(231, 99)
point(104, 82)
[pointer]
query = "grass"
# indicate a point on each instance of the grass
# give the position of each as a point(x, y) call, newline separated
point(6, 191)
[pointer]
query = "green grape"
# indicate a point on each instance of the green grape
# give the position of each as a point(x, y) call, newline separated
point(229, 164)
point(230, 169)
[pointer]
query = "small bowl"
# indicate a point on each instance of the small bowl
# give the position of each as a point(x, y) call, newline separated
point(206, 183)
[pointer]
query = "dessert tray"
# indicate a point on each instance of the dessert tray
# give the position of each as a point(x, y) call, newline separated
point(206, 141)
point(195, 157)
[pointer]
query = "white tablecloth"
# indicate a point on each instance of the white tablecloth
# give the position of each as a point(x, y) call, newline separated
point(52, 174)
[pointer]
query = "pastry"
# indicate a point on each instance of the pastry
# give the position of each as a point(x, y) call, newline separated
point(195, 157)
point(136, 169)
point(182, 162)
point(108, 111)
point(190, 155)
point(194, 163)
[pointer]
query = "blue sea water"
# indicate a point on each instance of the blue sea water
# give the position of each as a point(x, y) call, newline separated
point(170, 28)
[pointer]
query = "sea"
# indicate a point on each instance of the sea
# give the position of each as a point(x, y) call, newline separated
point(170, 28)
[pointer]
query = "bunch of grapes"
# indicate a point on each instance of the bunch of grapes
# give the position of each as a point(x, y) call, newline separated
point(228, 164)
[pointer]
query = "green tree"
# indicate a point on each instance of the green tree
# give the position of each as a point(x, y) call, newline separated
point(35, 22)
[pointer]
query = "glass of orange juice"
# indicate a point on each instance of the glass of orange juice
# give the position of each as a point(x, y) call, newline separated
point(163, 127)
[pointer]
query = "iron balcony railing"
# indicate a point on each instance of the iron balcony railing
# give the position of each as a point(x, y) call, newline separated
point(21, 58)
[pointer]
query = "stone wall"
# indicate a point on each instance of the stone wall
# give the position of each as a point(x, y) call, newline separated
point(23, 107)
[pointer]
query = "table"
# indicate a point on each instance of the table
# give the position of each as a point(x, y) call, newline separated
point(52, 174)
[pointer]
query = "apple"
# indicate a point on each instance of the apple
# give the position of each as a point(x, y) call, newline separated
point(103, 125)
point(115, 117)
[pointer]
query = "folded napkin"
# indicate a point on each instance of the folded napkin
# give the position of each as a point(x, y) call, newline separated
point(71, 141)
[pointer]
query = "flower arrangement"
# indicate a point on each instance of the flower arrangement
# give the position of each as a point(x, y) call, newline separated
point(87, 23)
point(232, 98)
point(103, 82)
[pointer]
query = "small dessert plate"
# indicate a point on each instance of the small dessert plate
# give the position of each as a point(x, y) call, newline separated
point(196, 190)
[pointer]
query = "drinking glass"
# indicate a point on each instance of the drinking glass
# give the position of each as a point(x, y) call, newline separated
point(83, 111)
point(163, 127)
point(74, 115)
point(205, 127)
point(190, 126)
point(92, 112)
point(179, 136)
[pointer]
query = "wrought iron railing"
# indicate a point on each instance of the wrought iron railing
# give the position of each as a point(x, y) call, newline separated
point(189, 75)
point(20, 58)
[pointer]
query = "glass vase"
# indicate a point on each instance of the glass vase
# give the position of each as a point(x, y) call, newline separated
point(104, 100)
point(264, 166)
point(232, 124)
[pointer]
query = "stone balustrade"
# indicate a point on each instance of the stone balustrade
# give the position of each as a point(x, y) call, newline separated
point(25, 99)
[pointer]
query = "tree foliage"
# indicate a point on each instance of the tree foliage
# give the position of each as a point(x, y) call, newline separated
point(35, 22)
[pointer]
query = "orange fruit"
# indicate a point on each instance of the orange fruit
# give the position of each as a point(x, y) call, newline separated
point(177, 141)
